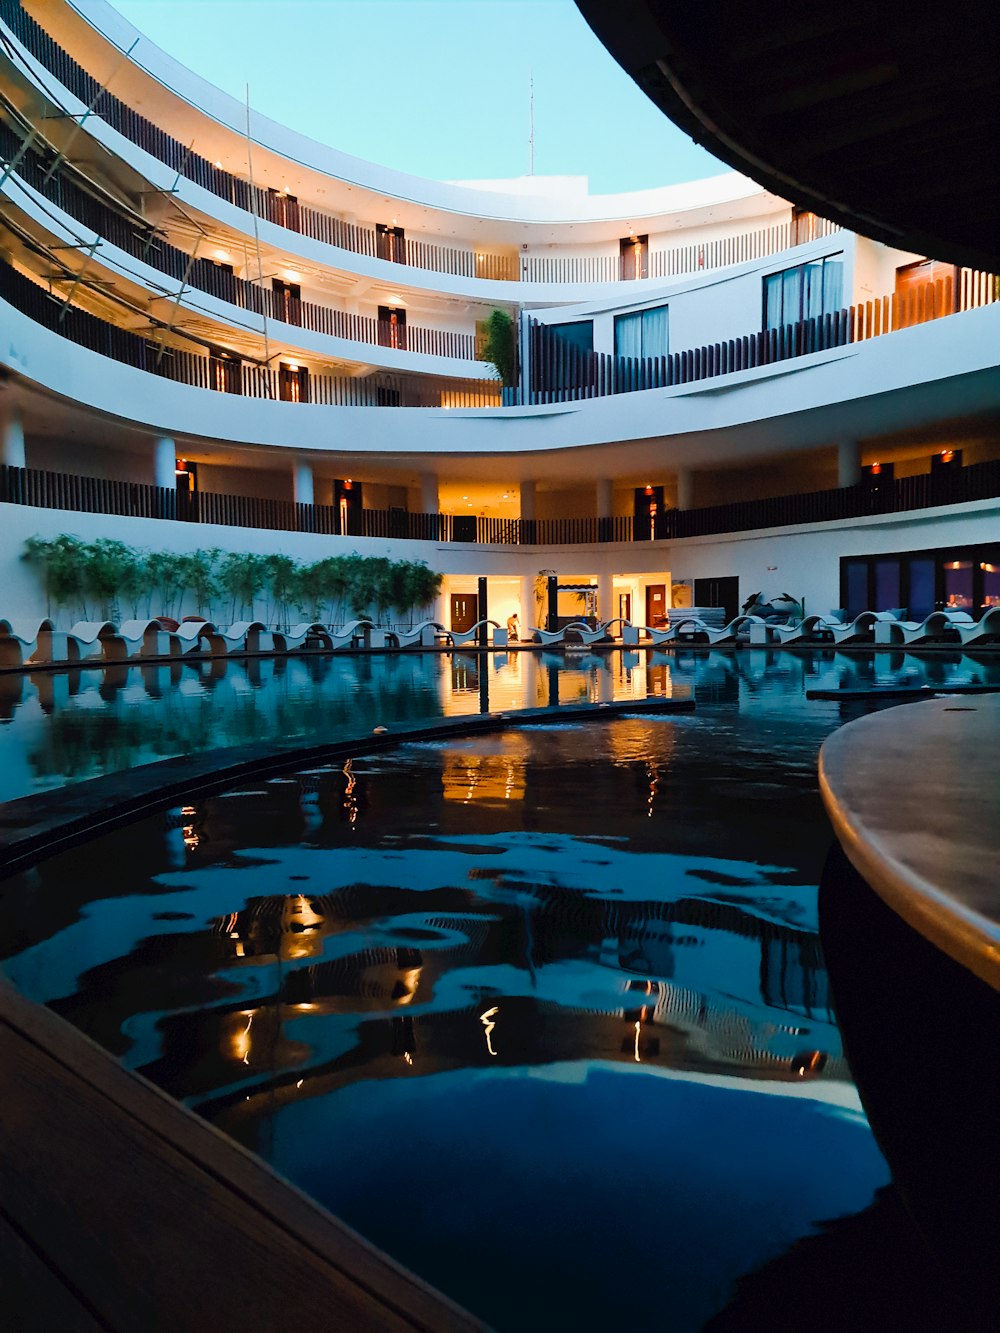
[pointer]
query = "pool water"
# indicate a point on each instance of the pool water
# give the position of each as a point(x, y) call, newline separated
point(543, 1014)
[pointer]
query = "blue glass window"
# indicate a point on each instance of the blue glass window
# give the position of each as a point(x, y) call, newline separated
point(642, 333)
point(803, 292)
point(579, 335)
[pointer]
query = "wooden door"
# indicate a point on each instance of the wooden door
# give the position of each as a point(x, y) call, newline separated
point(464, 610)
point(656, 605)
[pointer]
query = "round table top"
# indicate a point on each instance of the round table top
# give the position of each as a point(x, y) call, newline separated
point(913, 793)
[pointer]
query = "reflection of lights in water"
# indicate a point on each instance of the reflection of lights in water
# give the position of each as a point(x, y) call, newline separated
point(300, 1082)
point(407, 985)
point(811, 1062)
point(487, 1022)
point(350, 800)
point(191, 839)
point(638, 1029)
point(241, 1038)
point(653, 773)
point(408, 1057)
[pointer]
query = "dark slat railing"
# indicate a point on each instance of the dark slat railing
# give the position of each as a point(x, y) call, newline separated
point(224, 372)
point(268, 204)
point(143, 242)
point(96, 495)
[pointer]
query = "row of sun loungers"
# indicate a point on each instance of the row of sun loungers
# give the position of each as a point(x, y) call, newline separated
point(40, 643)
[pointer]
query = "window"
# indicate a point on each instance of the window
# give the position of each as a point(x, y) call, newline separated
point(293, 383)
point(392, 327)
point(803, 292)
point(579, 335)
point(642, 333)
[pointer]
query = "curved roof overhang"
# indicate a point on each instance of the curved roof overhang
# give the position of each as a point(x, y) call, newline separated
point(869, 115)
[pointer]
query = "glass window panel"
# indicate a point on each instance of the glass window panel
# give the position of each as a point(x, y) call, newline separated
point(991, 581)
point(812, 299)
point(791, 295)
point(833, 285)
point(628, 335)
point(857, 587)
point(886, 585)
point(921, 601)
point(958, 585)
point(579, 335)
point(655, 331)
point(772, 301)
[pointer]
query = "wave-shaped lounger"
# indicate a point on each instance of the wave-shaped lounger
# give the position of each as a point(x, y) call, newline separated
point(355, 630)
point(602, 631)
point(548, 637)
point(145, 638)
point(985, 630)
point(459, 638)
point(242, 637)
point(696, 630)
point(862, 628)
point(188, 636)
point(95, 639)
point(25, 641)
point(813, 629)
point(419, 636)
point(292, 639)
point(937, 626)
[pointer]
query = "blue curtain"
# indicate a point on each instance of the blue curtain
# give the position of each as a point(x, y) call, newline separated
point(628, 334)
point(772, 301)
point(655, 332)
point(833, 285)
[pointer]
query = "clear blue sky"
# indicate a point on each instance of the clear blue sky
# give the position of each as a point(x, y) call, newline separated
point(435, 87)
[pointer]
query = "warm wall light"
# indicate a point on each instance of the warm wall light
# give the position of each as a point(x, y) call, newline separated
point(947, 455)
point(180, 466)
point(649, 490)
point(876, 469)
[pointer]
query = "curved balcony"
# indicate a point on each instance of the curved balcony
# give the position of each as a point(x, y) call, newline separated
point(478, 263)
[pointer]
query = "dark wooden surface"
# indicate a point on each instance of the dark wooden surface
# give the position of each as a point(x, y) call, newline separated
point(121, 1209)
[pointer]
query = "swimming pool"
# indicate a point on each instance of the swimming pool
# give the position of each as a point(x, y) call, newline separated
point(543, 1014)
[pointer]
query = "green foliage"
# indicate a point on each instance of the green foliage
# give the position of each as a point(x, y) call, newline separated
point(500, 348)
point(115, 574)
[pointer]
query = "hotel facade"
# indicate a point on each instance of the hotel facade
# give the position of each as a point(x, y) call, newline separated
point(220, 334)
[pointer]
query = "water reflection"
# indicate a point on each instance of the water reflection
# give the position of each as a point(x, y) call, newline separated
point(535, 984)
point(58, 727)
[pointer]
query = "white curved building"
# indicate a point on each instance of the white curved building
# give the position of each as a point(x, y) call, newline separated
point(218, 333)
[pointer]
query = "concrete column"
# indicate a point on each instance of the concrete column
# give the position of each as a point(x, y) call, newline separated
point(12, 439)
point(165, 463)
point(848, 463)
point(527, 499)
point(685, 488)
point(430, 501)
point(303, 484)
point(603, 486)
point(528, 611)
point(606, 609)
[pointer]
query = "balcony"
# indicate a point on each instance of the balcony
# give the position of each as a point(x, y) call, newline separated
point(92, 495)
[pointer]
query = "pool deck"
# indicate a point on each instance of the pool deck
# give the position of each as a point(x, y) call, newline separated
point(120, 1208)
point(914, 798)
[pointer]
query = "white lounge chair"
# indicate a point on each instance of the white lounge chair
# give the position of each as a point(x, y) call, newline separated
point(548, 637)
point(862, 628)
point(984, 630)
point(242, 637)
point(690, 631)
point(190, 636)
point(25, 642)
point(459, 638)
point(813, 629)
point(657, 637)
point(938, 625)
point(145, 638)
point(93, 640)
point(292, 639)
point(588, 635)
point(420, 636)
point(354, 631)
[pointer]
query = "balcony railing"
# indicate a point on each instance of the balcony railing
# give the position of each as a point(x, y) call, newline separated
point(287, 212)
point(560, 373)
point(144, 242)
point(224, 372)
point(93, 495)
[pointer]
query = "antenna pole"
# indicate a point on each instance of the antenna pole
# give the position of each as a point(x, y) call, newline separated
point(531, 124)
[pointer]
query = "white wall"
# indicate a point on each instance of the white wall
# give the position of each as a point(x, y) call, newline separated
point(806, 560)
